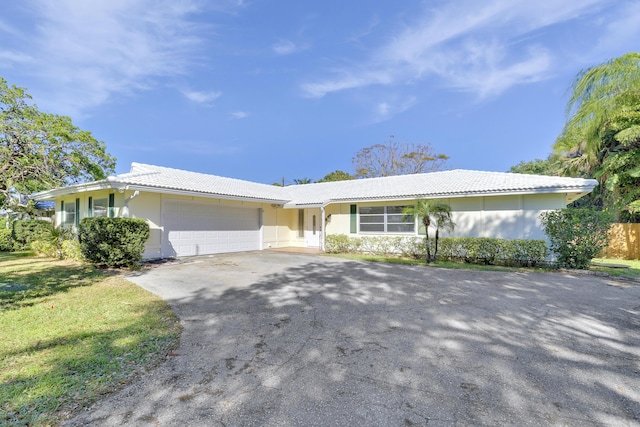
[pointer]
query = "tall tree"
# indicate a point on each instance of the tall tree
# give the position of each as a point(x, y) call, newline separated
point(336, 175)
point(548, 166)
point(396, 158)
point(601, 137)
point(431, 213)
point(39, 151)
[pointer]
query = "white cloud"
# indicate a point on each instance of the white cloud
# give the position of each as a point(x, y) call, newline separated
point(284, 47)
point(239, 115)
point(472, 46)
point(348, 80)
point(387, 109)
point(10, 57)
point(287, 47)
point(201, 97)
point(90, 51)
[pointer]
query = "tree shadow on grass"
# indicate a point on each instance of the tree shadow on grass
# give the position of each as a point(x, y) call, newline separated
point(75, 369)
point(28, 280)
point(337, 342)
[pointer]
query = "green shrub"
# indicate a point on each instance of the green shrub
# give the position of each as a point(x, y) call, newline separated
point(61, 243)
point(576, 236)
point(525, 253)
point(336, 243)
point(480, 250)
point(6, 241)
point(113, 242)
point(46, 248)
point(475, 250)
point(413, 247)
point(26, 231)
point(70, 249)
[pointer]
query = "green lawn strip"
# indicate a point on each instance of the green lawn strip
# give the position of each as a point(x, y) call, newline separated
point(70, 334)
point(632, 271)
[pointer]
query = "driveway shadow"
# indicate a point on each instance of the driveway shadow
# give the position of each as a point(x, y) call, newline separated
point(332, 342)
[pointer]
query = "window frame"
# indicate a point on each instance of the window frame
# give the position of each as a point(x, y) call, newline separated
point(102, 208)
point(387, 218)
point(67, 209)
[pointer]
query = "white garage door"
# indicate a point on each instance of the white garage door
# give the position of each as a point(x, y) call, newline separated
point(193, 228)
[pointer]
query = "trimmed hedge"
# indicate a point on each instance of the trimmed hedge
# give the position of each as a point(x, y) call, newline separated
point(473, 250)
point(491, 251)
point(113, 242)
point(6, 242)
point(26, 231)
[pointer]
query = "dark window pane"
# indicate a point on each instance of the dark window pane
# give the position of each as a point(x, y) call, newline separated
point(372, 218)
point(400, 228)
point(372, 210)
point(399, 218)
point(378, 228)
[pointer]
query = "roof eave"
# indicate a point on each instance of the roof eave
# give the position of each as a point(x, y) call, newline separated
point(180, 192)
point(75, 189)
point(579, 191)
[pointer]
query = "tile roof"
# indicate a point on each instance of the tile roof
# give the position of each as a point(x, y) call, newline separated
point(177, 179)
point(437, 185)
point(427, 185)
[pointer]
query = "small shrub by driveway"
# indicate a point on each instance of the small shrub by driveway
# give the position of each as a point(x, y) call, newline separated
point(275, 339)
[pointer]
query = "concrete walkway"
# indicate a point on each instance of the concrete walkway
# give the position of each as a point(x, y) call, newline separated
point(279, 339)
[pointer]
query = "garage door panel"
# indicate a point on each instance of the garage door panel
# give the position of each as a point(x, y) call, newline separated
point(193, 228)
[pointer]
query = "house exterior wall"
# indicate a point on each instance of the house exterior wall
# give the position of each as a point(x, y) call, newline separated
point(507, 217)
point(511, 217)
point(84, 203)
point(279, 226)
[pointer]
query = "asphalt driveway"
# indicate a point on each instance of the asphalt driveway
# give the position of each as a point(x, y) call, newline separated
point(278, 339)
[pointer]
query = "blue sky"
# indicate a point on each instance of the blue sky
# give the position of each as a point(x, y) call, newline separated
point(261, 90)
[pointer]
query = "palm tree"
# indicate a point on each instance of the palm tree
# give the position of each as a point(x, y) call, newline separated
point(601, 137)
point(301, 181)
point(437, 214)
point(598, 95)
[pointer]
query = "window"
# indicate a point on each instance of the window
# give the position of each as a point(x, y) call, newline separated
point(314, 225)
point(301, 223)
point(385, 219)
point(100, 207)
point(69, 214)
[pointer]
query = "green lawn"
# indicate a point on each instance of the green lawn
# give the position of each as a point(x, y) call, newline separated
point(632, 271)
point(71, 333)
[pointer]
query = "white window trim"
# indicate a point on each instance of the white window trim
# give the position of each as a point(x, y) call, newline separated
point(410, 221)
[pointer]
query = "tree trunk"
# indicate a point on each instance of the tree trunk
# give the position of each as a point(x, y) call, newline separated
point(428, 244)
point(427, 221)
point(435, 252)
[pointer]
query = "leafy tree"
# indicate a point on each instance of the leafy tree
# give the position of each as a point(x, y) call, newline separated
point(39, 151)
point(431, 213)
point(602, 135)
point(396, 158)
point(336, 175)
point(576, 235)
point(549, 166)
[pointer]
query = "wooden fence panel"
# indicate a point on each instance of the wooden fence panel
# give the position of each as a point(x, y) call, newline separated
point(624, 242)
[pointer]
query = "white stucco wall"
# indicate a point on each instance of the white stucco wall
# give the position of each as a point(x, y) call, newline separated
point(507, 217)
point(84, 203)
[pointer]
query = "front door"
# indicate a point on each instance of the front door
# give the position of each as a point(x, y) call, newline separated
point(312, 227)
